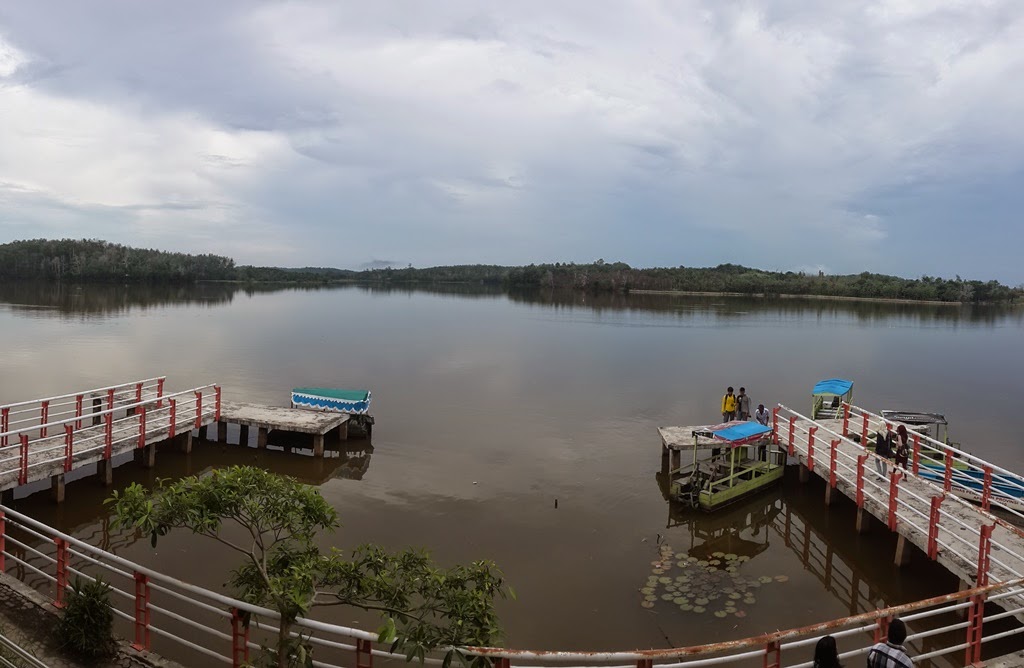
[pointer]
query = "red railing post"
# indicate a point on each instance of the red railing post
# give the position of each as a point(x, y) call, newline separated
point(239, 639)
point(108, 436)
point(141, 612)
point(917, 453)
point(504, 662)
point(69, 447)
point(773, 654)
point(792, 435)
point(142, 426)
point(62, 572)
point(174, 416)
point(933, 528)
point(110, 399)
point(5, 422)
point(976, 616)
point(860, 479)
point(216, 392)
point(810, 448)
point(984, 552)
point(846, 419)
point(160, 393)
point(199, 409)
point(44, 417)
point(893, 491)
point(986, 490)
point(775, 425)
point(864, 432)
point(947, 483)
point(138, 393)
point(3, 542)
point(78, 411)
point(23, 452)
point(832, 461)
point(364, 654)
point(882, 630)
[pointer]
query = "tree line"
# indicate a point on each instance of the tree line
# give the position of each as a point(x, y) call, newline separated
point(95, 260)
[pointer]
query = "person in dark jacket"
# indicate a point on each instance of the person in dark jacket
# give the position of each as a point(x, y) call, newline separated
point(902, 447)
point(826, 654)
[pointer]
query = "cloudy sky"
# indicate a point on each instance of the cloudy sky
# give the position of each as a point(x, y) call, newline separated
point(784, 134)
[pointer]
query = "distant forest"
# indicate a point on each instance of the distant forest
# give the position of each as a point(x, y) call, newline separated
point(99, 261)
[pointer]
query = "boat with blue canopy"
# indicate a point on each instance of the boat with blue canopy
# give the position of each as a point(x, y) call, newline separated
point(729, 461)
point(828, 397)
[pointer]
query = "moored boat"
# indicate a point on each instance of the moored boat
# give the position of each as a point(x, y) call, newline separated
point(354, 402)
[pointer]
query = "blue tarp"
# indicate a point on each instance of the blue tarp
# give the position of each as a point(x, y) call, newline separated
point(836, 386)
point(744, 431)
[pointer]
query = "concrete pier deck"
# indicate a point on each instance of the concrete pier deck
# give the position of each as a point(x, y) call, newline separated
point(279, 418)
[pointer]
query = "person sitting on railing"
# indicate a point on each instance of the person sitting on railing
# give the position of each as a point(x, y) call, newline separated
point(902, 449)
point(891, 654)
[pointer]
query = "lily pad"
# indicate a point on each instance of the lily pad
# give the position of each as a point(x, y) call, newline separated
point(646, 604)
point(664, 580)
point(734, 595)
point(699, 608)
point(718, 555)
point(730, 557)
point(721, 613)
point(782, 578)
point(701, 601)
point(667, 597)
point(765, 579)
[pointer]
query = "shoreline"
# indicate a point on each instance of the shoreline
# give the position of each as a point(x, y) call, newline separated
point(761, 295)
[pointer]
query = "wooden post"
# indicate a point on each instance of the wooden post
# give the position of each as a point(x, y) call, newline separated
point(261, 437)
point(185, 442)
point(243, 435)
point(97, 406)
point(222, 432)
point(105, 472)
point(805, 474)
point(318, 445)
point(147, 456)
point(828, 494)
point(903, 548)
point(863, 524)
point(57, 487)
point(204, 432)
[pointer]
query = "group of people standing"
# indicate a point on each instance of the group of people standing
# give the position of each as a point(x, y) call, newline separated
point(737, 407)
point(886, 447)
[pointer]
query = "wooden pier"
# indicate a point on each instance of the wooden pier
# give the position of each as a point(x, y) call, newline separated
point(266, 419)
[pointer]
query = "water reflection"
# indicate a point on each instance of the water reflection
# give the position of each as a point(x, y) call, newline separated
point(34, 299)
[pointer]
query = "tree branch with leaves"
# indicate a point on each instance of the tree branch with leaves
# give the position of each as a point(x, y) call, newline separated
point(423, 607)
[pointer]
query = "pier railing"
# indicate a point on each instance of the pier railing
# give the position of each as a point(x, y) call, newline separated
point(112, 426)
point(956, 470)
point(41, 413)
point(838, 459)
point(200, 627)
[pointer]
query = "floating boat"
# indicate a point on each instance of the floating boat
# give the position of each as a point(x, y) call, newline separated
point(742, 460)
point(828, 397)
point(354, 402)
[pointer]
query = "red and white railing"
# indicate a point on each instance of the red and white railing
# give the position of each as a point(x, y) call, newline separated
point(198, 626)
point(38, 450)
point(837, 458)
point(41, 413)
point(1000, 488)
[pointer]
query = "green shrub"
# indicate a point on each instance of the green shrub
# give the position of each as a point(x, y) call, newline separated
point(86, 627)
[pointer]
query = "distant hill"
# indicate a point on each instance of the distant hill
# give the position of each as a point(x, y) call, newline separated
point(94, 260)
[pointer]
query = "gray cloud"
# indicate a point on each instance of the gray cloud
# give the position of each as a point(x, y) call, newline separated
point(850, 135)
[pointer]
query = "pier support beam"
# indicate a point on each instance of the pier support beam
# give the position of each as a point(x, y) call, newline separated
point(105, 472)
point(222, 432)
point(7, 496)
point(243, 435)
point(903, 549)
point(863, 520)
point(677, 455)
point(97, 406)
point(147, 455)
point(57, 487)
point(185, 442)
point(805, 474)
point(261, 437)
point(830, 491)
point(204, 432)
point(318, 445)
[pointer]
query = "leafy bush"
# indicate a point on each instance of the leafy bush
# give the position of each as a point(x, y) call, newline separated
point(86, 627)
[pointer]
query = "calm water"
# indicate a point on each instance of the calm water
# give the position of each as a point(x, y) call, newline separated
point(491, 407)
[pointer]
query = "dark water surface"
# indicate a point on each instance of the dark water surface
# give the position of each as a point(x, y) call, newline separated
point(490, 407)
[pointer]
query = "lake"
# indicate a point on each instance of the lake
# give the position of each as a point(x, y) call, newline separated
point(523, 428)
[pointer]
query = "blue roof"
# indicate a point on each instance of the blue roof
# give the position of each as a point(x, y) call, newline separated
point(741, 432)
point(836, 386)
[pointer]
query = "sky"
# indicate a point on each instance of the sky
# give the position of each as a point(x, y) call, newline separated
point(846, 136)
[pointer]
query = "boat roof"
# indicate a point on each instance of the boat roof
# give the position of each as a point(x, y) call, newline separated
point(914, 417)
point(735, 432)
point(836, 386)
point(331, 393)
